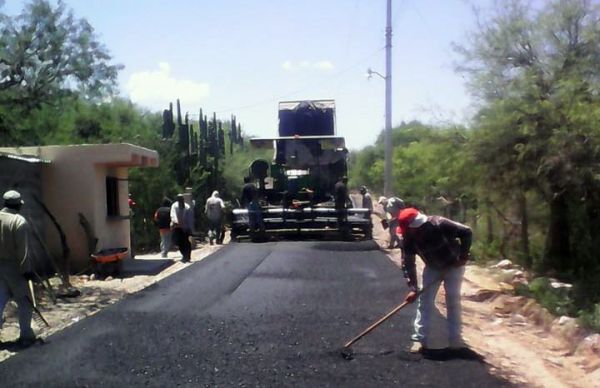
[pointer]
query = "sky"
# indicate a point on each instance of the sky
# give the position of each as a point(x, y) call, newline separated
point(242, 57)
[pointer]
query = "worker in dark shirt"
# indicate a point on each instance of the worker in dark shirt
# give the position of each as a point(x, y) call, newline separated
point(444, 246)
point(249, 192)
point(341, 193)
point(341, 202)
point(367, 201)
point(249, 200)
point(162, 219)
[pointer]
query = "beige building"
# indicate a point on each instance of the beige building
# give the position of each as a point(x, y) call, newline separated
point(89, 179)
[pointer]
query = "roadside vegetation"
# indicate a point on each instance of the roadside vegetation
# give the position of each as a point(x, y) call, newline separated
point(525, 173)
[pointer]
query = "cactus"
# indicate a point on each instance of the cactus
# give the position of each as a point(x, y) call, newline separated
point(212, 137)
point(221, 140)
point(168, 126)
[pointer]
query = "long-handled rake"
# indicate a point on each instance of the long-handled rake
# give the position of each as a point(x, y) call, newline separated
point(347, 352)
point(37, 312)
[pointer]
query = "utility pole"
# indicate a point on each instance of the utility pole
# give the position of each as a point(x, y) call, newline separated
point(387, 181)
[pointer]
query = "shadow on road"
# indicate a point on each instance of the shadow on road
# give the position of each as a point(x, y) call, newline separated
point(447, 354)
point(16, 345)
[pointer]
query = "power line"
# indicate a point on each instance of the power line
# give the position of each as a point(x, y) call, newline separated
point(291, 93)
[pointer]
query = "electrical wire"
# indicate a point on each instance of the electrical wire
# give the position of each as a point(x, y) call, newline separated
point(297, 91)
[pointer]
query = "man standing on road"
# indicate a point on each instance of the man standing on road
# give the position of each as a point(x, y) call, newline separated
point(341, 193)
point(250, 201)
point(342, 199)
point(182, 221)
point(367, 201)
point(162, 218)
point(14, 267)
point(444, 247)
point(392, 207)
point(214, 212)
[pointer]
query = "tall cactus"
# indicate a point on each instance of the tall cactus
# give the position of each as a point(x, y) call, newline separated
point(193, 140)
point(212, 137)
point(201, 140)
point(183, 132)
point(240, 137)
point(168, 127)
point(232, 134)
point(202, 147)
point(204, 140)
point(221, 138)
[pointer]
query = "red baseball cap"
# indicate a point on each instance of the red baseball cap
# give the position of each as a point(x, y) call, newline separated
point(410, 218)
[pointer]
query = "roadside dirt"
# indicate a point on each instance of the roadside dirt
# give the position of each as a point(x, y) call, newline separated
point(519, 340)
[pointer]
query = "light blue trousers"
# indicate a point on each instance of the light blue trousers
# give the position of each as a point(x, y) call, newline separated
point(165, 242)
point(432, 279)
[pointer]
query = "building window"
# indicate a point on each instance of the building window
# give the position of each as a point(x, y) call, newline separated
point(112, 196)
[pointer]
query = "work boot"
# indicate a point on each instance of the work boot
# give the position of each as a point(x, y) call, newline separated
point(417, 347)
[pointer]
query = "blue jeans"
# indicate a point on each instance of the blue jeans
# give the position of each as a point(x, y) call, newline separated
point(255, 217)
point(165, 242)
point(432, 278)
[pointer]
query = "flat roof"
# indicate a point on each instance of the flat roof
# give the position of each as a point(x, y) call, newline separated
point(24, 158)
point(112, 154)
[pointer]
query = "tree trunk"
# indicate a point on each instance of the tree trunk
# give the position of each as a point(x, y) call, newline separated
point(557, 250)
point(522, 202)
point(490, 225)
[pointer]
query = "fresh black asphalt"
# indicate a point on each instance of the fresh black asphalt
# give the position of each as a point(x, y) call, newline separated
point(270, 315)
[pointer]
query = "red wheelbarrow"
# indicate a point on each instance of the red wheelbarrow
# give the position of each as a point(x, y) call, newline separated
point(109, 261)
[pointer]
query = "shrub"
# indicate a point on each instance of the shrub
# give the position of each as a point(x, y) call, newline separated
point(556, 300)
point(591, 318)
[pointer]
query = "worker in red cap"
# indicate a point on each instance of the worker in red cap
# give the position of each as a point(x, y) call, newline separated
point(444, 246)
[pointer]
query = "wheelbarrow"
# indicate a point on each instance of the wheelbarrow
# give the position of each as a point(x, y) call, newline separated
point(108, 262)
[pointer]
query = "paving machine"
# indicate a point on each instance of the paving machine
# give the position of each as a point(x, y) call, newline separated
point(296, 190)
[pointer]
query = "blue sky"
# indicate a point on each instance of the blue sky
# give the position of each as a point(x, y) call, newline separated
point(243, 57)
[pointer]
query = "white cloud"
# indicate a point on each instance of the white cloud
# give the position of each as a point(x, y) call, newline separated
point(156, 88)
point(287, 65)
point(323, 65)
point(307, 65)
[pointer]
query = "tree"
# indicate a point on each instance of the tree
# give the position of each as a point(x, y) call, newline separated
point(46, 53)
point(535, 74)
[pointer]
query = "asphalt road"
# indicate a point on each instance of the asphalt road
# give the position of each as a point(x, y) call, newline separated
point(272, 314)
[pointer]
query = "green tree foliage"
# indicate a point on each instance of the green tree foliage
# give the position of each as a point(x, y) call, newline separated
point(237, 166)
point(535, 72)
point(47, 54)
point(429, 168)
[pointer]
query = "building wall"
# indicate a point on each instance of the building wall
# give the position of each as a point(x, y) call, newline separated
point(75, 182)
